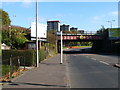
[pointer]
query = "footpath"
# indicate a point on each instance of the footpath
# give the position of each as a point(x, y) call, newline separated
point(49, 74)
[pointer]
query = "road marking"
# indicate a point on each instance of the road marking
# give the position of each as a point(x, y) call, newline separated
point(104, 56)
point(93, 58)
point(104, 63)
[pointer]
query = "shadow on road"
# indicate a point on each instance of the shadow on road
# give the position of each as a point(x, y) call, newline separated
point(89, 51)
point(78, 51)
point(34, 84)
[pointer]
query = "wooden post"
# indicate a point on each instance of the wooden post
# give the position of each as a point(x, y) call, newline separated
point(10, 67)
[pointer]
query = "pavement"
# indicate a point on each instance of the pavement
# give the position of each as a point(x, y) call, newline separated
point(49, 74)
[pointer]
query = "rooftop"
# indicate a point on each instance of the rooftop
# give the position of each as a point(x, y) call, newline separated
point(54, 21)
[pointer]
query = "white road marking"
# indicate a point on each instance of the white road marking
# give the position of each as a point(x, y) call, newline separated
point(104, 63)
point(105, 56)
point(93, 58)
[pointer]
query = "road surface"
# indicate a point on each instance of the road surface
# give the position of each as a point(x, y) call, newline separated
point(87, 70)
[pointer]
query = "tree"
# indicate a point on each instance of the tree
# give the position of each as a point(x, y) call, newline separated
point(5, 17)
point(14, 38)
point(51, 37)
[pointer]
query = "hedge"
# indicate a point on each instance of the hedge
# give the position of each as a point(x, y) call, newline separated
point(42, 54)
point(28, 55)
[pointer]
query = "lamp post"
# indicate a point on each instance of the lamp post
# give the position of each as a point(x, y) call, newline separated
point(110, 32)
point(9, 31)
point(111, 22)
point(37, 60)
point(110, 25)
point(9, 28)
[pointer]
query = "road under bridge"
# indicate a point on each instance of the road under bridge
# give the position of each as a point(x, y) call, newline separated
point(100, 42)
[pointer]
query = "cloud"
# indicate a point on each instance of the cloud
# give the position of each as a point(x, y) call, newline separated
point(27, 3)
point(96, 18)
point(114, 13)
point(40, 19)
point(104, 17)
point(60, 15)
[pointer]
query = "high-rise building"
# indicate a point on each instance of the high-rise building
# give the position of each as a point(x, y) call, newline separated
point(73, 29)
point(81, 31)
point(53, 25)
point(65, 27)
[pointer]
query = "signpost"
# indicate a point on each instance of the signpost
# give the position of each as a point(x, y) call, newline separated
point(61, 61)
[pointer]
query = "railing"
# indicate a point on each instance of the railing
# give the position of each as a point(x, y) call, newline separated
point(81, 33)
point(11, 65)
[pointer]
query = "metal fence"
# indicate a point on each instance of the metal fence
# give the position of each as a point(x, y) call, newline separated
point(12, 65)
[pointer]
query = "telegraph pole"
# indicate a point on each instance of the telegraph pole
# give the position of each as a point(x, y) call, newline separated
point(37, 60)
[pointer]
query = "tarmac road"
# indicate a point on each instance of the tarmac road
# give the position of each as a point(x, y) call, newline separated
point(84, 71)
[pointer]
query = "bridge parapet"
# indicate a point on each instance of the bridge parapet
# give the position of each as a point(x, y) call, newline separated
point(81, 37)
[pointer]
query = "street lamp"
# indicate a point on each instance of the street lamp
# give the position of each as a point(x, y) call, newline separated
point(9, 28)
point(9, 31)
point(37, 59)
point(110, 31)
point(111, 22)
point(110, 25)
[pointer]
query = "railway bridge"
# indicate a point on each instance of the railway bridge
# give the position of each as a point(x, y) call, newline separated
point(99, 41)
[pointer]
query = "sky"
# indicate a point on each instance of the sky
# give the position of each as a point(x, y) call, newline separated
point(88, 16)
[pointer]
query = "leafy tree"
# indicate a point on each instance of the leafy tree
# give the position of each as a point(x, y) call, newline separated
point(51, 37)
point(14, 38)
point(103, 31)
point(5, 17)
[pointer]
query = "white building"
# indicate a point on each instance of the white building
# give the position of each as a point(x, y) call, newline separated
point(4, 47)
point(41, 31)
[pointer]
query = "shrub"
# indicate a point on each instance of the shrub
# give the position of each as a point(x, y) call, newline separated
point(5, 69)
point(42, 54)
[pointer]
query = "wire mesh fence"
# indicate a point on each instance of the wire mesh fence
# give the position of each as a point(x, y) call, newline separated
point(11, 65)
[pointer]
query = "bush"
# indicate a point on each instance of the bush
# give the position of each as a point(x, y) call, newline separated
point(5, 69)
point(42, 54)
point(52, 49)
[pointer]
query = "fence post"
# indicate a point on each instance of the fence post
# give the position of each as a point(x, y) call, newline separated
point(10, 67)
point(18, 62)
point(24, 62)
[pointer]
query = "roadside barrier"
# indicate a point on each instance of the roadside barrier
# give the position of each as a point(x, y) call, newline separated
point(12, 65)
